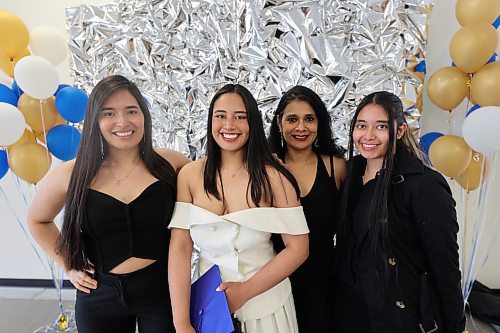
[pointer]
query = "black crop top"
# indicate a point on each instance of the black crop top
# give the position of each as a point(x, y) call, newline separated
point(114, 231)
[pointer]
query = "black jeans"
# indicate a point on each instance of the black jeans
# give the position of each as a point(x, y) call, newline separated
point(121, 301)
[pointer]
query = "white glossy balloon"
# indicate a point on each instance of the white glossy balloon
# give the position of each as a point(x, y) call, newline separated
point(49, 43)
point(12, 124)
point(36, 76)
point(480, 129)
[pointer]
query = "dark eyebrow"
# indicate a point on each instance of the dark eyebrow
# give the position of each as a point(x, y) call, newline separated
point(377, 121)
point(128, 107)
point(224, 111)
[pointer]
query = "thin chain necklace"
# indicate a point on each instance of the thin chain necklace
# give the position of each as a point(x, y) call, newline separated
point(118, 181)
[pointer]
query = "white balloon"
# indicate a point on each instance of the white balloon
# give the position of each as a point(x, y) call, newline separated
point(12, 124)
point(480, 129)
point(36, 76)
point(49, 43)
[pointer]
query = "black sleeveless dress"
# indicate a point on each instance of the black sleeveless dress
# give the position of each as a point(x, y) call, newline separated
point(311, 282)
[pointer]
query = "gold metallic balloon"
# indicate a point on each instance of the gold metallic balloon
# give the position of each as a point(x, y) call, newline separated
point(30, 161)
point(28, 136)
point(468, 11)
point(14, 35)
point(472, 176)
point(473, 45)
point(485, 85)
point(447, 87)
point(35, 110)
point(7, 64)
point(450, 155)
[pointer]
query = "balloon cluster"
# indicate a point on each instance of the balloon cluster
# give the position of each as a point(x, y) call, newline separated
point(36, 109)
point(476, 75)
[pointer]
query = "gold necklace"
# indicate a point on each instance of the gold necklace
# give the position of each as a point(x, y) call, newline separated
point(118, 181)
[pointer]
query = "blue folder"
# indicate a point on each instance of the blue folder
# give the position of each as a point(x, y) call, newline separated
point(209, 310)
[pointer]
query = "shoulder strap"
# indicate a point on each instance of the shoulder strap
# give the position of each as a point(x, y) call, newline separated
point(332, 173)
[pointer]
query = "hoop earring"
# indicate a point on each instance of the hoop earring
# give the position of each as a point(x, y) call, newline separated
point(316, 143)
point(102, 147)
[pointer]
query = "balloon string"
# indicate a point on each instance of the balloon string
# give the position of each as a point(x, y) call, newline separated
point(44, 131)
point(480, 222)
point(58, 283)
point(22, 227)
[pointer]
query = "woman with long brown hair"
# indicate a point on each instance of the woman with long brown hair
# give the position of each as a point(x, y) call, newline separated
point(118, 196)
point(229, 203)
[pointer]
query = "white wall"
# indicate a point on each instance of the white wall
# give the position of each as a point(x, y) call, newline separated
point(17, 258)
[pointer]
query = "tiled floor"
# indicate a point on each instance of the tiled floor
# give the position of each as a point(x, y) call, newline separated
point(24, 310)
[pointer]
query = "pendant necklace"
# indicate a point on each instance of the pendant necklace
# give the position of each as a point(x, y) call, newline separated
point(118, 181)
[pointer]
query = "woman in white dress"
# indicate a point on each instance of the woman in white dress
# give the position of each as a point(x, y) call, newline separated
point(228, 204)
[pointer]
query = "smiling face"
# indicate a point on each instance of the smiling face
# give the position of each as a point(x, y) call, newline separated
point(230, 127)
point(299, 125)
point(371, 132)
point(121, 121)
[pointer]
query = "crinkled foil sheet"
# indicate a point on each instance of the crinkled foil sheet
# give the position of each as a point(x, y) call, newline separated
point(180, 52)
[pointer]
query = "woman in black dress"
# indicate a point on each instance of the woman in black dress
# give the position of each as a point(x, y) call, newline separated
point(398, 268)
point(301, 137)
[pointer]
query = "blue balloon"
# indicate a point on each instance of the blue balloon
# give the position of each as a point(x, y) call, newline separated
point(4, 166)
point(493, 58)
point(15, 88)
point(61, 86)
point(71, 103)
point(496, 24)
point(7, 95)
point(427, 139)
point(472, 109)
point(421, 67)
point(63, 141)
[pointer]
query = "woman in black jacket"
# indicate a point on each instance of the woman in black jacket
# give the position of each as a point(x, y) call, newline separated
point(397, 267)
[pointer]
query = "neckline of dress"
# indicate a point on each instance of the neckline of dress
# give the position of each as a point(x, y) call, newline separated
point(238, 211)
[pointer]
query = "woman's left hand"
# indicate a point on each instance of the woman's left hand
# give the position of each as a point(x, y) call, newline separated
point(236, 294)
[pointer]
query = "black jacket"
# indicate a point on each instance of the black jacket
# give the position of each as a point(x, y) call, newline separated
point(421, 285)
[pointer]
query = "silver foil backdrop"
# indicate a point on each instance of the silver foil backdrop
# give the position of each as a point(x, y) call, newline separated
point(179, 52)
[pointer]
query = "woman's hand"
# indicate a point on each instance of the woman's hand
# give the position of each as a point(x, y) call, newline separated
point(82, 280)
point(185, 329)
point(236, 294)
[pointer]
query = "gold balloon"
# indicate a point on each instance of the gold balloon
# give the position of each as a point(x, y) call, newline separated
point(471, 178)
point(485, 85)
point(30, 161)
point(34, 110)
point(468, 11)
point(447, 87)
point(28, 136)
point(473, 45)
point(7, 64)
point(41, 137)
point(450, 155)
point(14, 35)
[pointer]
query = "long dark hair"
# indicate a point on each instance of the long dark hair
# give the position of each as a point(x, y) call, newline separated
point(88, 161)
point(257, 154)
point(379, 212)
point(325, 144)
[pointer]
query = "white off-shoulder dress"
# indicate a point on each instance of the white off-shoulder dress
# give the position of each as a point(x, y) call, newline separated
point(240, 244)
